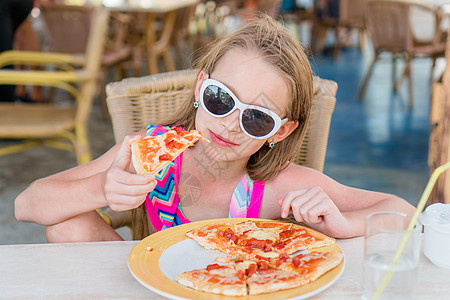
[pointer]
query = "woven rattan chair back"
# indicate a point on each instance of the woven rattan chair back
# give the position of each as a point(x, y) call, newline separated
point(67, 28)
point(135, 102)
point(341, 16)
point(388, 24)
point(351, 13)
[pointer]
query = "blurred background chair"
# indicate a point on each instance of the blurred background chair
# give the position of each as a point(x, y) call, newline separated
point(26, 39)
point(50, 123)
point(390, 26)
point(439, 144)
point(180, 38)
point(212, 19)
point(270, 7)
point(295, 14)
point(343, 16)
point(135, 102)
point(60, 19)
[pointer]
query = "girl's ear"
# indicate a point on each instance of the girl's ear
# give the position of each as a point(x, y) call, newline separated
point(202, 76)
point(285, 130)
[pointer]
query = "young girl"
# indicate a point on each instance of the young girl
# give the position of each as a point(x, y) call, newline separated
point(252, 100)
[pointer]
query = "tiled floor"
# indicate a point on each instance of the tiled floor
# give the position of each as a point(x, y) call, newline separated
point(376, 144)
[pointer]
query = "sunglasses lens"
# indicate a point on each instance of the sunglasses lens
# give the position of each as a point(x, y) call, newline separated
point(257, 123)
point(217, 101)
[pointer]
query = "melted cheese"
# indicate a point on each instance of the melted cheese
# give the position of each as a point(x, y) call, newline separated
point(248, 230)
point(263, 235)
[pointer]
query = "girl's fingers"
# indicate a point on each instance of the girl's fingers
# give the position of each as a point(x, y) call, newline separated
point(310, 208)
point(300, 202)
point(286, 202)
point(132, 190)
point(298, 217)
point(296, 199)
point(126, 202)
point(123, 157)
point(124, 177)
point(312, 214)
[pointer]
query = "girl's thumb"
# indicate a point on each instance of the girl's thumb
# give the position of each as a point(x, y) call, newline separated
point(123, 156)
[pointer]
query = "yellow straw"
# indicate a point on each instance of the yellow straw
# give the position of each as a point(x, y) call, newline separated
point(423, 200)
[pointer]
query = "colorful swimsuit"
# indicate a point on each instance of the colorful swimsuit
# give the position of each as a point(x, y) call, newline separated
point(163, 204)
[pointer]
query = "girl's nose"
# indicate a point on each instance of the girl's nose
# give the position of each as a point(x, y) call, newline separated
point(230, 123)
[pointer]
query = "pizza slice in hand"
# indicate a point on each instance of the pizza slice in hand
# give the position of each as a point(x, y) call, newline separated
point(152, 154)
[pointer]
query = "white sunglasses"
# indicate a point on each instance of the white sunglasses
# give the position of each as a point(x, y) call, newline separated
point(256, 121)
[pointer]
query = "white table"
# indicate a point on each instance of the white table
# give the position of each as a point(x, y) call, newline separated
point(100, 271)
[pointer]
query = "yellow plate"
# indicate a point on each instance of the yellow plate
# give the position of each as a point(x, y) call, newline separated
point(144, 265)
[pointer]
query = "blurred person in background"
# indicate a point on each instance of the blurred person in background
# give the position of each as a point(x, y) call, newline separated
point(14, 14)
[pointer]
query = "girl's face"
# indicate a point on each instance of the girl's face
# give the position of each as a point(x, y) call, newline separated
point(254, 82)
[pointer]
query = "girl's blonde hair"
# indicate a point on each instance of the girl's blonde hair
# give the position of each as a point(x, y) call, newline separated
point(274, 44)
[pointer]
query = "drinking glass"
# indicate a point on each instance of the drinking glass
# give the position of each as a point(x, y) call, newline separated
point(385, 232)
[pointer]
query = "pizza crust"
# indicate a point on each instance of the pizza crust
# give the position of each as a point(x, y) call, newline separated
point(223, 281)
point(268, 283)
point(309, 270)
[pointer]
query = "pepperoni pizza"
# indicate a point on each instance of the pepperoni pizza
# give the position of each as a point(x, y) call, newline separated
point(151, 154)
point(263, 258)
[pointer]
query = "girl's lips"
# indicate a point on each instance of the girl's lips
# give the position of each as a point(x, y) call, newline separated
point(217, 139)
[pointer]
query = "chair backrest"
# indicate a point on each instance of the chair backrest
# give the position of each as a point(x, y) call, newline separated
point(135, 102)
point(346, 13)
point(351, 12)
point(79, 30)
point(67, 27)
point(388, 25)
point(184, 17)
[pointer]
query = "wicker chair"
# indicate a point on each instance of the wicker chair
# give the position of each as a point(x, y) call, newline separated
point(341, 16)
point(61, 19)
point(135, 102)
point(49, 123)
point(390, 27)
point(439, 145)
point(180, 37)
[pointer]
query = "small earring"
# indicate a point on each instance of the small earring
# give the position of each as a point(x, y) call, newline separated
point(271, 145)
point(195, 104)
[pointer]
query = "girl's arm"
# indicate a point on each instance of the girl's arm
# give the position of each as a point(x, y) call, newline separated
point(328, 206)
point(106, 181)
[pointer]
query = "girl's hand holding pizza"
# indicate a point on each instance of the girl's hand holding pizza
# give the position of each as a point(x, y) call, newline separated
point(123, 188)
point(314, 207)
